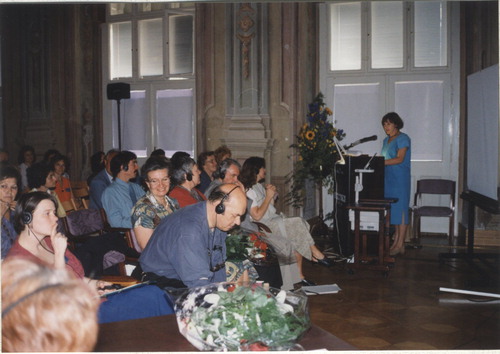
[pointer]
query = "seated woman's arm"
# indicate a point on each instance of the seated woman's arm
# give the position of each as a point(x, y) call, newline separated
point(142, 235)
point(257, 212)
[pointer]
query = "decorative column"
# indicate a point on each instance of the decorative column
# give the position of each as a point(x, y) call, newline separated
point(247, 128)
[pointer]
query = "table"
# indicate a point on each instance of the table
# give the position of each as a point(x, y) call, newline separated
point(162, 334)
point(361, 259)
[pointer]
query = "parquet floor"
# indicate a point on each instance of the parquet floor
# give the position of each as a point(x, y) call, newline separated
point(406, 310)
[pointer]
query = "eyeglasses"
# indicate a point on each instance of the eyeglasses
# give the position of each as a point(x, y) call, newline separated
point(219, 266)
point(155, 182)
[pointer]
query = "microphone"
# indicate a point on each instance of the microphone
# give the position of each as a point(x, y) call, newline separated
point(361, 141)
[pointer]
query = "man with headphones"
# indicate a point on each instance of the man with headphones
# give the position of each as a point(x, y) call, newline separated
point(121, 195)
point(227, 172)
point(188, 247)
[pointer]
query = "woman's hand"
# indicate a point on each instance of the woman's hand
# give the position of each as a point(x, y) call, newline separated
point(270, 191)
point(99, 285)
point(59, 244)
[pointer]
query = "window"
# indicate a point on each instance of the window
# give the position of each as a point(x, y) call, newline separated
point(383, 32)
point(151, 47)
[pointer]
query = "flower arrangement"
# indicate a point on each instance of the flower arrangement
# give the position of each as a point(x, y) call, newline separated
point(226, 317)
point(317, 151)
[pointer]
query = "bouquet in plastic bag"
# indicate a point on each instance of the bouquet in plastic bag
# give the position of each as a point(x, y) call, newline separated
point(225, 317)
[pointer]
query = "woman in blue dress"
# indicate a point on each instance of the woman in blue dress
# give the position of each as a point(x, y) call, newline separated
point(397, 153)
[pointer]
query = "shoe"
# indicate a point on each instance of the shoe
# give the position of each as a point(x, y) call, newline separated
point(324, 261)
point(306, 282)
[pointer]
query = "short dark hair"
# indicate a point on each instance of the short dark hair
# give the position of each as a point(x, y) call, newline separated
point(202, 158)
point(27, 203)
point(393, 118)
point(154, 163)
point(49, 154)
point(25, 149)
point(184, 167)
point(58, 157)
point(220, 152)
point(120, 161)
point(9, 171)
point(157, 152)
point(37, 174)
point(224, 165)
point(178, 158)
point(250, 170)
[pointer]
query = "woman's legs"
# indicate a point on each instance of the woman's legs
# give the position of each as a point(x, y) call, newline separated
point(399, 238)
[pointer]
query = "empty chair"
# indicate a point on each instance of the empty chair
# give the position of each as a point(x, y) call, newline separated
point(420, 209)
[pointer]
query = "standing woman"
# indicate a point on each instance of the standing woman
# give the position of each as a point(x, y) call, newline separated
point(26, 158)
point(9, 186)
point(397, 153)
point(155, 205)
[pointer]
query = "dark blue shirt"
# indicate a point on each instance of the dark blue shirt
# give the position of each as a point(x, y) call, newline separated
point(183, 247)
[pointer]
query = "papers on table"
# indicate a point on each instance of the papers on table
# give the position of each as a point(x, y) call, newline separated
point(321, 289)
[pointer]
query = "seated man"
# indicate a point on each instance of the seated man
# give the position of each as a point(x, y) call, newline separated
point(227, 172)
point(121, 195)
point(188, 248)
point(101, 181)
point(185, 177)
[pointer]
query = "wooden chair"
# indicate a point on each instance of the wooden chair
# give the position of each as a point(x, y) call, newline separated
point(68, 206)
point(79, 185)
point(420, 209)
point(129, 238)
point(81, 198)
point(81, 224)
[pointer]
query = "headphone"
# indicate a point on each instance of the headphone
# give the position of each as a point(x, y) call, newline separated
point(125, 167)
point(189, 176)
point(26, 218)
point(221, 208)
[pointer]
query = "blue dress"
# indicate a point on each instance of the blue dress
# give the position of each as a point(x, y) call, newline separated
point(397, 177)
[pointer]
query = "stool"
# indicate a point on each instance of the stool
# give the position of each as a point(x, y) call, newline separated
point(361, 258)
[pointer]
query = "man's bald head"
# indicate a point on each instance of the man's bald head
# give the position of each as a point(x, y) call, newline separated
point(227, 204)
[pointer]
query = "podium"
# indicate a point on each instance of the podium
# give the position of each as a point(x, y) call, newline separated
point(345, 180)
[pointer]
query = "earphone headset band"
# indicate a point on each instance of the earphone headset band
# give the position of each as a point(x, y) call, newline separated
point(27, 296)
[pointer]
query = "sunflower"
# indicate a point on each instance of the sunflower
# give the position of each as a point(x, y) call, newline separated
point(310, 135)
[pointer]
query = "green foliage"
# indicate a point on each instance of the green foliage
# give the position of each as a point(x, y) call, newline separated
point(316, 150)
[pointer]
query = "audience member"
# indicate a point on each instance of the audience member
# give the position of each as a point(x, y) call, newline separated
point(295, 229)
point(46, 309)
point(49, 154)
point(97, 164)
point(222, 153)
point(58, 165)
point(4, 155)
point(10, 182)
point(177, 158)
point(41, 178)
point(26, 158)
point(207, 166)
point(155, 205)
point(120, 196)
point(227, 172)
point(185, 177)
point(188, 248)
point(35, 221)
point(101, 181)
point(158, 153)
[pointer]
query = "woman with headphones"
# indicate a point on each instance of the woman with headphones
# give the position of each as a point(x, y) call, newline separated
point(295, 229)
point(185, 177)
point(35, 221)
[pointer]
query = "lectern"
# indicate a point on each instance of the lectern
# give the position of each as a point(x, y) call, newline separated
point(345, 180)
